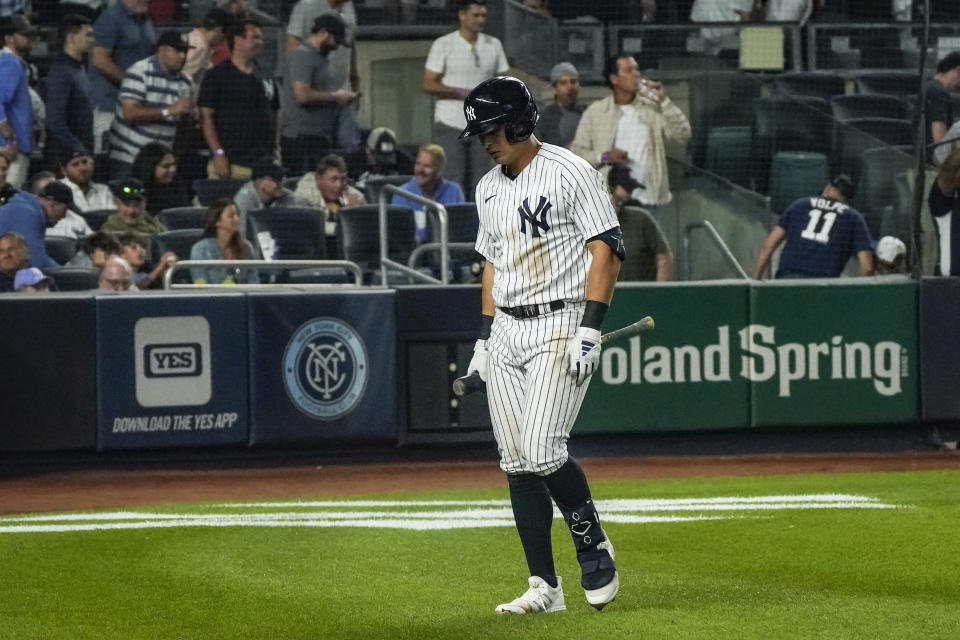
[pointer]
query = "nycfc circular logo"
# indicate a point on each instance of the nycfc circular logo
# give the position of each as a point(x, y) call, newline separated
point(325, 368)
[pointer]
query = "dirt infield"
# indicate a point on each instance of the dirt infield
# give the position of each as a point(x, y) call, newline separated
point(112, 489)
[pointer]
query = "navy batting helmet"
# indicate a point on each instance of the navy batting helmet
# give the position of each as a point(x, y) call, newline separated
point(500, 102)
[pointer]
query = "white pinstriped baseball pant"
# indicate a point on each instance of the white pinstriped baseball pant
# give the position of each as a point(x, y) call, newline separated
point(533, 400)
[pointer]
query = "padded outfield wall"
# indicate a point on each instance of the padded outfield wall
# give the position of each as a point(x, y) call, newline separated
point(296, 367)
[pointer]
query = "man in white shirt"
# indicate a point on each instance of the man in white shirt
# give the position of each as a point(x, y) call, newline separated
point(458, 62)
point(77, 169)
point(630, 128)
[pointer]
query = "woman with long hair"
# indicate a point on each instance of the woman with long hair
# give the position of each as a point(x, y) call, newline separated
point(222, 241)
point(156, 167)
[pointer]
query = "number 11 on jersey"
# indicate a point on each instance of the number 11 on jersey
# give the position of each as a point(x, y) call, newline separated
point(823, 235)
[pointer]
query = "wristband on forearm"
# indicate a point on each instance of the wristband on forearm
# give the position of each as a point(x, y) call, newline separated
point(593, 314)
point(486, 324)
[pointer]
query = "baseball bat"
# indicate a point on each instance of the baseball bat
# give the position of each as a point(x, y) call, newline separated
point(465, 385)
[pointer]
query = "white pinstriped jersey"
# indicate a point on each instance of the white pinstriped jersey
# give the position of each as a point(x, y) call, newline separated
point(534, 228)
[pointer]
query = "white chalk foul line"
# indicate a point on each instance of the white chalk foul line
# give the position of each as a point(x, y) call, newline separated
point(484, 513)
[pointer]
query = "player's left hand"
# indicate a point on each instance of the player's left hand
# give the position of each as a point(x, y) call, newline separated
point(583, 353)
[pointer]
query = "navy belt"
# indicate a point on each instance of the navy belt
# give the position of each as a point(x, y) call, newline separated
point(532, 310)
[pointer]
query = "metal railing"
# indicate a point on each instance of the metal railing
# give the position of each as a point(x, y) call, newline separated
point(262, 265)
point(717, 240)
point(385, 261)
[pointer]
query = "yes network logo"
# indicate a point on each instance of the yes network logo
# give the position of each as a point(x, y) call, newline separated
point(172, 361)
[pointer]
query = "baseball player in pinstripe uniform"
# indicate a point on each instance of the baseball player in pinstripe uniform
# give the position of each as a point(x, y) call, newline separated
point(553, 249)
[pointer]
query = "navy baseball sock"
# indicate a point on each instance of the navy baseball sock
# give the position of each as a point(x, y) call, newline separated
point(533, 513)
point(569, 488)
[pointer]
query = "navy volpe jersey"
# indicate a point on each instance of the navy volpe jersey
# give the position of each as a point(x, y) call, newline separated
point(822, 235)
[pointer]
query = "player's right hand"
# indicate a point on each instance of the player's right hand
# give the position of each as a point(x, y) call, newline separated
point(583, 353)
point(480, 360)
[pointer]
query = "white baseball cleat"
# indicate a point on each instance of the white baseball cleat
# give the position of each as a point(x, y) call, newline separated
point(539, 598)
point(602, 596)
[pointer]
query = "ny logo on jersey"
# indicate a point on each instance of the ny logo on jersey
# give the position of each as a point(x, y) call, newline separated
point(537, 218)
point(471, 115)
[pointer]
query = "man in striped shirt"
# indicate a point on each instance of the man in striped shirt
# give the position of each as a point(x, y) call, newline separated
point(154, 95)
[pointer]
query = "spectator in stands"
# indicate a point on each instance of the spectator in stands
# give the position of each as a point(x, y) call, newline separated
point(130, 202)
point(943, 200)
point(32, 280)
point(30, 215)
point(133, 249)
point(154, 96)
point(383, 157)
point(209, 34)
point(788, 11)
point(10, 7)
point(458, 62)
point(722, 41)
point(312, 104)
point(72, 225)
point(327, 189)
point(6, 189)
point(116, 275)
point(124, 34)
point(223, 240)
point(650, 257)
point(264, 190)
point(342, 61)
point(156, 168)
point(630, 128)
point(939, 107)
point(428, 181)
point(559, 120)
point(69, 102)
point(16, 111)
point(77, 167)
point(238, 106)
point(95, 250)
point(821, 233)
point(14, 256)
point(41, 179)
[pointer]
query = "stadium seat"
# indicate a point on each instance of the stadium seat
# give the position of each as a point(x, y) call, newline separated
point(462, 223)
point(876, 188)
point(372, 186)
point(75, 278)
point(178, 241)
point(358, 235)
point(895, 83)
point(812, 84)
point(796, 174)
point(788, 123)
point(297, 231)
point(729, 153)
point(96, 217)
point(183, 217)
point(868, 105)
point(208, 190)
point(855, 137)
point(718, 99)
point(891, 131)
point(60, 248)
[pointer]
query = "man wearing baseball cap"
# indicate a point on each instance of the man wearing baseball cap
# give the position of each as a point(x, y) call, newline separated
point(30, 215)
point(891, 255)
point(131, 214)
point(559, 120)
point(650, 256)
point(154, 95)
point(264, 190)
point(32, 280)
point(314, 107)
point(821, 233)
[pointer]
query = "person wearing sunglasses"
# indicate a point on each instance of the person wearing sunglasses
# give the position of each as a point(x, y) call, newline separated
point(131, 215)
point(458, 62)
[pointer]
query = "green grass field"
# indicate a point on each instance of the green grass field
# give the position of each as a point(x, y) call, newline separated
point(881, 565)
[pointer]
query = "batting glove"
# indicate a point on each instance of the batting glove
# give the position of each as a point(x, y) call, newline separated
point(583, 353)
point(480, 360)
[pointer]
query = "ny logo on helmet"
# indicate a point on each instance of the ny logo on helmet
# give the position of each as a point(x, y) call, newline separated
point(470, 113)
point(536, 218)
